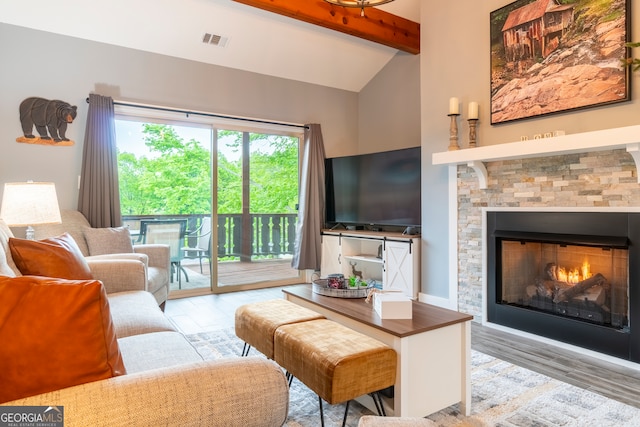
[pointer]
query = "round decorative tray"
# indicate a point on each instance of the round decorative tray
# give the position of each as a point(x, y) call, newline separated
point(321, 286)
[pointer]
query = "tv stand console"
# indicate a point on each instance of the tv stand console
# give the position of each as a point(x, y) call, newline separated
point(390, 258)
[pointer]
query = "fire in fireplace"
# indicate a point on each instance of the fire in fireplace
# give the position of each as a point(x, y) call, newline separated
point(569, 276)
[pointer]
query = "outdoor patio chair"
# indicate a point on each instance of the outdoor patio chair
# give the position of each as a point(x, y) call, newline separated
point(202, 248)
point(169, 232)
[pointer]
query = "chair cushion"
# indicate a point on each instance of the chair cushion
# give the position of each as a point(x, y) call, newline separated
point(108, 240)
point(55, 333)
point(57, 257)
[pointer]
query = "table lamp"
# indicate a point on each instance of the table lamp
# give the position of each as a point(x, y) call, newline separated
point(30, 203)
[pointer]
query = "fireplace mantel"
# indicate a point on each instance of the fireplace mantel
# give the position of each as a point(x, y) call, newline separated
point(608, 139)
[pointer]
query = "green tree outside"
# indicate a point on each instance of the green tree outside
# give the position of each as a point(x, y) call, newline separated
point(175, 178)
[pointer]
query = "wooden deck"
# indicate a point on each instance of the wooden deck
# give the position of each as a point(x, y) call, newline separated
point(232, 273)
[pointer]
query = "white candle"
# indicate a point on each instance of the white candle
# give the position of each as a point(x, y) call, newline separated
point(473, 110)
point(454, 106)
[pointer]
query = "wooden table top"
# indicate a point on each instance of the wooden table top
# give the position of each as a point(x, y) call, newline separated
point(426, 317)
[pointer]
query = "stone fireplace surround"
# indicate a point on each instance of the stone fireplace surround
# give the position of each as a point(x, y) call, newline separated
point(588, 172)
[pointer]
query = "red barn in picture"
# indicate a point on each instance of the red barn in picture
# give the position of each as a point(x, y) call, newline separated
point(535, 30)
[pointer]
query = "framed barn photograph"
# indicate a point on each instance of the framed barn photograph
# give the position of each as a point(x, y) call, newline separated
point(551, 56)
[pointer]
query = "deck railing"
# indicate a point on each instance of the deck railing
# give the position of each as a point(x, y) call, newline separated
point(270, 236)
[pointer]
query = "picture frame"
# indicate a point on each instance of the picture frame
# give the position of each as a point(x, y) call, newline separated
point(555, 56)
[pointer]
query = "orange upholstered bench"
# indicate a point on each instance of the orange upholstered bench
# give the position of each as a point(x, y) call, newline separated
point(256, 323)
point(337, 363)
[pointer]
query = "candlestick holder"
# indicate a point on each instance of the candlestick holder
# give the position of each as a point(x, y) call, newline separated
point(453, 132)
point(472, 132)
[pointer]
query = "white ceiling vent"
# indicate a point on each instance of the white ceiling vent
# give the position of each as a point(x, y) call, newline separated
point(215, 39)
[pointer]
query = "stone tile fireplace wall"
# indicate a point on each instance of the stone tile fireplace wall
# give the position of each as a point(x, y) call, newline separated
point(602, 179)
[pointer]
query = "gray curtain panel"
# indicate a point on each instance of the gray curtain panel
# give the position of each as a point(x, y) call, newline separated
point(99, 198)
point(308, 250)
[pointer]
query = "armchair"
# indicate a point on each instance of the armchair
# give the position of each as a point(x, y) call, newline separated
point(118, 267)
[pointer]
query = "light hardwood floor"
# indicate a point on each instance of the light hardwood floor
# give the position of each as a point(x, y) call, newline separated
point(609, 379)
point(212, 312)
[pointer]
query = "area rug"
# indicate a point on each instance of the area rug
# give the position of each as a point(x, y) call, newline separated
point(502, 395)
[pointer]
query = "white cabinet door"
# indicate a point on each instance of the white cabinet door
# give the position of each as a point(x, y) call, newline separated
point(331, 262)
point(399, 267)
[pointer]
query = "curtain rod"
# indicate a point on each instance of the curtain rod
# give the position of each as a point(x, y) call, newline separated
point(195, 113)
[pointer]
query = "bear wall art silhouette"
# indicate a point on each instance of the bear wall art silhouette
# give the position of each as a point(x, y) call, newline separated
point(50, 118)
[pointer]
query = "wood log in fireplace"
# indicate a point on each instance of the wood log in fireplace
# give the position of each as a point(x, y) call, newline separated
point(592, 290)
point(596, 295)
point(551, 271)
point(580, 287)
point(549, 288)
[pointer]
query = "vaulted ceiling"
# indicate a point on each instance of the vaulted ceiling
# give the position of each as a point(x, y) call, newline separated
point(304, 40)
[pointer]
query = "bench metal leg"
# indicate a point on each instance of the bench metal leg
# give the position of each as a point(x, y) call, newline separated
point(344, 418)
point(245, 349)
point(346, 410)
point(377, 399)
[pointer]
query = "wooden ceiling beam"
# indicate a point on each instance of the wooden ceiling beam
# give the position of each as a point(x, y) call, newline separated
point(377, 26)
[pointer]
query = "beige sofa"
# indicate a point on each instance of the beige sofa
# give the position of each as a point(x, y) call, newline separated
point(167, 382)
point(147, 268)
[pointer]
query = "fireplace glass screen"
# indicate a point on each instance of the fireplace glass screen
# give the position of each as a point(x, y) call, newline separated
point(582, 282)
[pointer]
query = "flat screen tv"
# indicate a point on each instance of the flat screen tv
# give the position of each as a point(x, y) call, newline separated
point(374, 189)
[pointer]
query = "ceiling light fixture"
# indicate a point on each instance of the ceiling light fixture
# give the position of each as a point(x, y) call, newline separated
point(358, 3)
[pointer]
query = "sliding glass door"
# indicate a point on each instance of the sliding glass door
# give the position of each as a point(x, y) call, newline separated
point(164, 171)
point(240, 232)
point(257, 196)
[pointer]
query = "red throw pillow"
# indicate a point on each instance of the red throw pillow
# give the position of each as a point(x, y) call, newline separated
point(57, 257)
point(55, 334)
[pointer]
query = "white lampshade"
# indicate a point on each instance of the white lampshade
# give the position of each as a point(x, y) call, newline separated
point(30, 203)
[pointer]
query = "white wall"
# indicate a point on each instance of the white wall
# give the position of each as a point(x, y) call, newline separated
point(455, 62)
point(36, 63)
point(389, 107)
